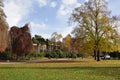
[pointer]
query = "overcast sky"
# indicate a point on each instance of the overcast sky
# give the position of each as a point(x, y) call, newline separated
point(46, 16)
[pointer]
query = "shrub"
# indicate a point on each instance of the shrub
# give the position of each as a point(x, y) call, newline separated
point(48, 54)
point(5, 55)
point(35, 55)
point(72, 55)
point(55, 54)
point(62, 54)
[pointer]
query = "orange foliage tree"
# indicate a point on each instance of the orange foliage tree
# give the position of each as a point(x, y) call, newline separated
point(3, 29)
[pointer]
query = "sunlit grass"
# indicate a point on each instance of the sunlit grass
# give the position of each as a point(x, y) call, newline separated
point(85, 69)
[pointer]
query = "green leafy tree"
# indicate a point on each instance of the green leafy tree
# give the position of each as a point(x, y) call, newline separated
point(39, 40)
point(94, 22)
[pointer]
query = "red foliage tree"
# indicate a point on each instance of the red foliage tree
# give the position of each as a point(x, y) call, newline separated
point(21, 43)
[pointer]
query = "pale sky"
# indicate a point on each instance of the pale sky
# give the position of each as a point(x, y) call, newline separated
point(46, 16)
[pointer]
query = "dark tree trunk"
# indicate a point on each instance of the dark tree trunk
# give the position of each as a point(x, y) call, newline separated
point(94, 54)
point(98, 55)
point(47, 45)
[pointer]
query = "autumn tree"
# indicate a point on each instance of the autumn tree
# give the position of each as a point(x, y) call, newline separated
point(82, 46)
point(67, 43)
point(56, 39)
point(94, 23)
point(20, 38)
point(3, 29)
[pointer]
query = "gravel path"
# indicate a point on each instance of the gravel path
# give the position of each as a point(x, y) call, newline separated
point(40, 61)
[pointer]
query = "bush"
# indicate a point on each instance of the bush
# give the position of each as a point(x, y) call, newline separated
point(48, 55)
point(5, 55)
point(71, 55)
point(35, 55)
point(55, 54)
point(62, 54)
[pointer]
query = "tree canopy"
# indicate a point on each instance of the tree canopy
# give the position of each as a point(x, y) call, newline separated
point(21, 43)
point(94, 23)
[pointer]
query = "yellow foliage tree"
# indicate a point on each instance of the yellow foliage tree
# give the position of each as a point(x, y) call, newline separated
point(93, 22)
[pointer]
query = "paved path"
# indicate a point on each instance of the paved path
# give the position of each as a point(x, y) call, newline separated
point(40, 61)
point(12, 62)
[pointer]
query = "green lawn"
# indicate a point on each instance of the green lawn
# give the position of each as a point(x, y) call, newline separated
point(78, 70)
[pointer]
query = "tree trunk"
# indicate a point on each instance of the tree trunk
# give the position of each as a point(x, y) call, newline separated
point(94, 54)
point(98, 55)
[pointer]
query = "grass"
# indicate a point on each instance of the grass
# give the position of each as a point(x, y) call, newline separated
point(76, 70)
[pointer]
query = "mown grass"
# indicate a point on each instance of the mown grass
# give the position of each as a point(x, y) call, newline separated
point(76, 70)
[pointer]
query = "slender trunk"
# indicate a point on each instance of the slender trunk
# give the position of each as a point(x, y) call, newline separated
point(98, 55)
point(94, 54)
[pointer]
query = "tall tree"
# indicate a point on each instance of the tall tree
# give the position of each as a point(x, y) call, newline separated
point(67, 43)
point(3, 29)
point(39, 40)
point(56, 38)
point(93, 22)
point(21, 43)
